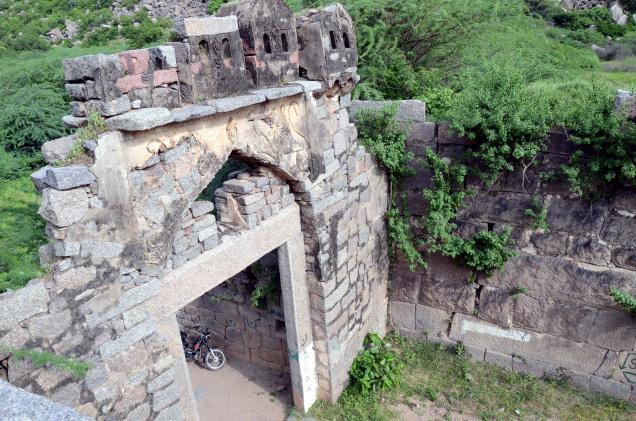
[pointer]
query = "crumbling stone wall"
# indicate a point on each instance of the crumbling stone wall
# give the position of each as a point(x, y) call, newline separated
point(174, 9)
point(566, 323)
point(126, 214)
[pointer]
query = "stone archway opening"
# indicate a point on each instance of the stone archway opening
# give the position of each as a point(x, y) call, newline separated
point(254, 304)
point(246, 319)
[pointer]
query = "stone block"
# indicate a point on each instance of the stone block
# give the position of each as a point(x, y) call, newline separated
point(66, 248)
point(205, 221)
point(552, 243)
point(163, 57)
point(402, 315)
point(280, 92)
point(620, 230)
point(22, 304)
point(209, 25)
point(590, 249)
point(494, 306)
point(127, 339)
point(75, 278)
point(104, 249)
point(165, 98)
point(165, 77)
point(542, 347)
point(69, 395)
point(170, 414)
point(613, 329)
point(575, 216)
point(446, 285)
point(225, 105)
point(610, 387)
point(573, 284)
point(135, 62)
point(624, 257)
point(495, 207)
point(192, 112)
point(63, 208)
point(140, 120)
point(38, 178)
point(161, 381)
point(58, 149)
point(165, 397)
point(432, 322)
point(50, 326)
point(568, 321)
point(498, 358)
point(126, 301)
point(412, 111)
point(239, 186)
point(66, 178)
point(201, 207)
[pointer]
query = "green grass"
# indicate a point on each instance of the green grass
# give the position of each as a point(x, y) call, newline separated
point(21, 233)
point(433, 373)
point(77, 369)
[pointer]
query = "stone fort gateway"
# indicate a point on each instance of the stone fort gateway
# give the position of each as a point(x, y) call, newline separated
point(230, 156)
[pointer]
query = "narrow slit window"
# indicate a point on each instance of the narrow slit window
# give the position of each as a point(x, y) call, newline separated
point(267, 44)
point(283, 42)
point(225, 47)
point(345, 38)
point(204, 51)
point(334, 43)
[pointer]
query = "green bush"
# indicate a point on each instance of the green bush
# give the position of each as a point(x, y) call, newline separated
point(507, 120)
point(31, 116)
point(599, 17)
point(624, 299)
point(215, 5)
point(375, 368)
point(146, 32)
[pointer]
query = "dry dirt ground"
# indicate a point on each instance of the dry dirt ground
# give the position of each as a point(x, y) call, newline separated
point(240, 392)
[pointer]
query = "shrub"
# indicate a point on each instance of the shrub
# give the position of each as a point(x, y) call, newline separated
point(146, 32)
point(624, 299)
point(599, 17)
point(376, 367)
point(31, 116)
point(215, 5)
point(506, 119)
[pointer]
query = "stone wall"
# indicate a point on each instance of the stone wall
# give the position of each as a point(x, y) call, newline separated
point(126, 214)
point(164, 8)
point(566, 322)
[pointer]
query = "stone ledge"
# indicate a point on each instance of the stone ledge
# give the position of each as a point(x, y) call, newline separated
point(18, 404)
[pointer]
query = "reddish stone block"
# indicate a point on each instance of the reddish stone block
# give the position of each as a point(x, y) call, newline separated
point(165, 76)
point(135, 62)
point(130, 83)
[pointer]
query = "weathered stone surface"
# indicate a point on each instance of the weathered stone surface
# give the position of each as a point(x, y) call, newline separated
point(66, 248)
point(161, 381)
point(50, 326)
point(620, 230)
point(38, 178)
point(142, 412)
point(610, 387)
point(165, 98)
point(58, 149)
point(127, 339)
point(590, 250)
point(494, 306)
point(403, 315)
point(495, 207)
point(624, 258)
point(613, 329)
point(63, 208)
point(239, 186)
point(66, 178)
point(172, 413)
point(192, 112)
point(75, 278)
point(128, 300)
point(552, 278)
point(139, 120)
point(73, 121)
point(568, 321)
point(209, 25)
point(201, 207)
point(17, 404)
point(575, 216)
point(432, 322)
point(69, 395)
point(225, 105)
point(542, 347)
point(413, 111)
point(445, 285)
point(165, 397)
point(405, 285)
point(280, 92)
point(552, 243)
point(105, 249)
point(22, 304)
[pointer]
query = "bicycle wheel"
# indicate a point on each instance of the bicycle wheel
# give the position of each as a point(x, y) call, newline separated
point(214, 359)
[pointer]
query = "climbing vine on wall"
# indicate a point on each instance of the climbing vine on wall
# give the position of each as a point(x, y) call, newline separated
point(484, 252)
